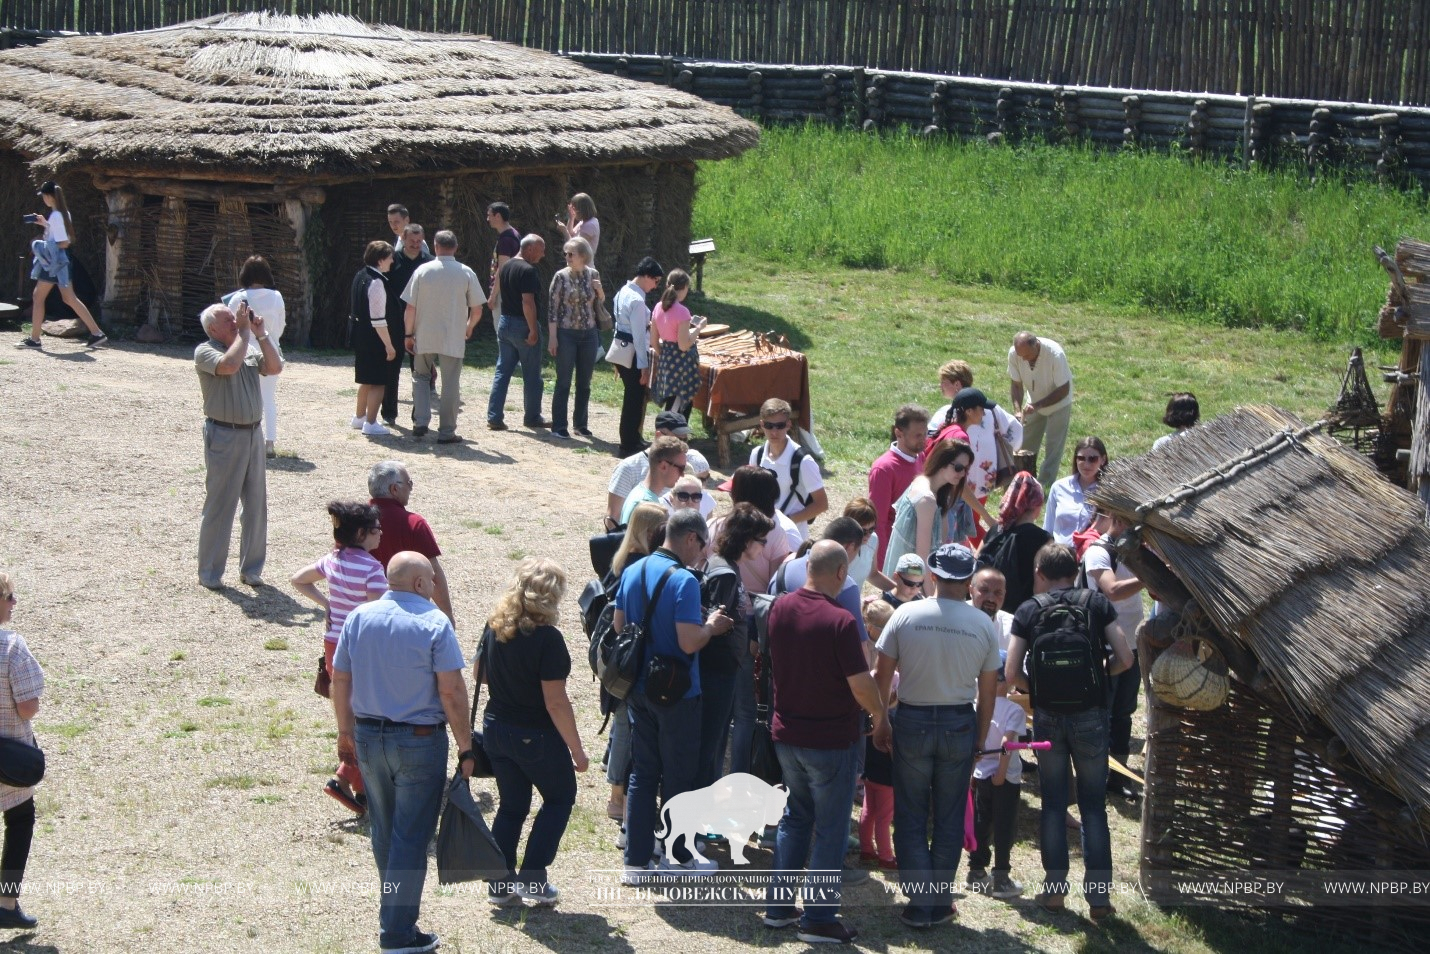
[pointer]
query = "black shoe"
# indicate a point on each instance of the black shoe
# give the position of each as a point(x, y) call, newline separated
point(100, 339)
point(28, 342)
point(539, 422)
point(584, 432)
point(454, 439)
point(421, 943)
point(496, 425)
point(560, 434)
point(389, 422)
point(419, 430)
point(15, 918)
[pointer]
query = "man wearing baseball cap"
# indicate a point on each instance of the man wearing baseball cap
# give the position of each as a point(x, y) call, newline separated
point(632, 470)
point(946, 655)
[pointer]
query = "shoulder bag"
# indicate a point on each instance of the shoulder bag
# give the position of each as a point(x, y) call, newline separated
point(21, 764)
point(482, 764)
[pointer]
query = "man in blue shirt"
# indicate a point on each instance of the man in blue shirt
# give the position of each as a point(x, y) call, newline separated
point(665, 751)
point(846, 532)
point(397, 674)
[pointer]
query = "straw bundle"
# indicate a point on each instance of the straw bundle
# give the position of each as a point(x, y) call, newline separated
point(257, 95)
point(1304, 555)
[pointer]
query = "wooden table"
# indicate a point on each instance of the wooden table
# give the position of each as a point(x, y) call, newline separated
point(739, 372)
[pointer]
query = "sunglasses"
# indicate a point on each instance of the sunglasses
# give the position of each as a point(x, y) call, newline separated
point(11, 598)
point(959, 468)
point(704, 541)
point(909, 583)
point(1084, 459)
point(688, 497)
point(868, 531)
point(774, 425)
point(677, 464)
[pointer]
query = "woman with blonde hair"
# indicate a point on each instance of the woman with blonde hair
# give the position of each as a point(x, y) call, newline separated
point(644, 532)
point(21, 682)
point(529, 729)
point(573, 339)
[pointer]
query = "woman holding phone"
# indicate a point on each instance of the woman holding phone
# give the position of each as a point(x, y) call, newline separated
point(581, 222)
point(52, 268)
point(677, 359)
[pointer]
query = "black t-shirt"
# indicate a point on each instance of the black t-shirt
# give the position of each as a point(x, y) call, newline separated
point(1101, 614)
point(1028, 539)
point(397, 278)
point(518, 277)
point(724, 592)
point(516, 669)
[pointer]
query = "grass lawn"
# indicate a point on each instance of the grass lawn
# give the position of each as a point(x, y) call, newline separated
point(876, 339)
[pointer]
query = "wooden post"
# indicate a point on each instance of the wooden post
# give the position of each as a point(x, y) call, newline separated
point(166, 294)
point(297, 213)
point(121, 255)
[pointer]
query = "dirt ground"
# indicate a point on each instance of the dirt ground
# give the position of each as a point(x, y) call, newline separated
point(187, 750)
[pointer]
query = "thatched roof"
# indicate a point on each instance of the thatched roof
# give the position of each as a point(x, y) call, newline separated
point(264, 96)
point(1312, 561)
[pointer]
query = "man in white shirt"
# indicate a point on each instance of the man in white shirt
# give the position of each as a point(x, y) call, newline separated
point(632, 470)
point(1042, 390)
point(802, 495)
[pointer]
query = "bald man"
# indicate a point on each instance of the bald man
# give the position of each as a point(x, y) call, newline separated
point(1042, 391)
point(822, 686)
point(397, 676)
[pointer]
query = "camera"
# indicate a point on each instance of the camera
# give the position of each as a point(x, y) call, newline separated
point(34, 219)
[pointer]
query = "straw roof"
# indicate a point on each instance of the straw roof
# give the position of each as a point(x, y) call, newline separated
point(1312, 561)
point(263, 96)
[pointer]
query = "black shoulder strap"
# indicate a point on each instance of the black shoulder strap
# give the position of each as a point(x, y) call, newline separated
point(780, 586)
point(795, 460)
point(481, 672)
point(655, 597)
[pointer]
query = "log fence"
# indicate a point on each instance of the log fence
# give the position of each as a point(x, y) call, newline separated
point(1339, 50)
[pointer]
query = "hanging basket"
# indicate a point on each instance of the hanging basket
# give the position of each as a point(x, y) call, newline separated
point(1191, 674)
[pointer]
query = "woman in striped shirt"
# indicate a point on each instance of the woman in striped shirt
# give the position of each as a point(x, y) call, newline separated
point(354, 577)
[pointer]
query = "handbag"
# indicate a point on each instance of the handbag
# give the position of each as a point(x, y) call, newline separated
point(598, 306)
point(481, 762)
point(323, 684)
point(623, 659)
point(466, 849)
point(21, 764)
point(1003, 468)
point(622, 351)
point(667, 680)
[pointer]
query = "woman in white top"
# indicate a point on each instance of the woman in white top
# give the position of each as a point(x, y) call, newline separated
point(581, 222)
point(1183, 413)
point(255, 281)
point(1068, 509)
point(59, 228)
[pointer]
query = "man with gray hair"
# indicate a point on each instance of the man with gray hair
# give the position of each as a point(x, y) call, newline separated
point(390, 486)
point(518, 334)
point(1042, 392)
point(444, 303)
point(234, 454)
point(821, 687)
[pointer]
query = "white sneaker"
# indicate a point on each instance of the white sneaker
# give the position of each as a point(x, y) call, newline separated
point(358, 422)
point(621, 839)
point(635, 876)
point(374, 429)
point(697, 865)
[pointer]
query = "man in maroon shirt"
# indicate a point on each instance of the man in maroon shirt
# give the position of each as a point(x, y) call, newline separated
point(390, 486)
point(821, 682)
point(895, 469)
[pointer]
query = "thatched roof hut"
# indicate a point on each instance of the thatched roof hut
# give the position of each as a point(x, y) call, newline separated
point(237, 131)
point(1311, 574)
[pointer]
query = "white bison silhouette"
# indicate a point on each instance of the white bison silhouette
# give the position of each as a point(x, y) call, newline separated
point(736, 806)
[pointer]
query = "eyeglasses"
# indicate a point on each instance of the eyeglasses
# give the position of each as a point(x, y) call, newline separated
point(704, 541)
point(684, 497)
point(868, 531)
point(959, 468)
point(909, 583)
point(774, 425)
point(1085, 459)
point(10, 598)
point(570, 254)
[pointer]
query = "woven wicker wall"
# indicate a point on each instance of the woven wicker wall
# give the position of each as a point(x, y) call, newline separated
point(1237, 789)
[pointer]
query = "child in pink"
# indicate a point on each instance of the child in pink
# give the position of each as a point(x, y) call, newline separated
point(876, 814)
point(354, 577)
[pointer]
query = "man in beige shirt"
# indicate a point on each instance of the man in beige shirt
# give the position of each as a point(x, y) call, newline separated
point(444, 303)
point(233, 441)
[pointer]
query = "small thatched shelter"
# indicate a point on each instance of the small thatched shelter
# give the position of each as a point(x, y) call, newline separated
point(185, 149)
point(1310, 574)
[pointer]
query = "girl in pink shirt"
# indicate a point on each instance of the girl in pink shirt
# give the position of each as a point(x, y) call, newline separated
point(677, 366)
point(354, 577)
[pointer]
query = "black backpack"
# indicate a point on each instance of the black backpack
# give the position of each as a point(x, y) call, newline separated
point(798, 458)
point(1066, 668)
point(999, 550)
point(621, 655)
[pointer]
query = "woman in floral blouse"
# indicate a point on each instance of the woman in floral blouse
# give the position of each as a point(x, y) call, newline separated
point(575, 290)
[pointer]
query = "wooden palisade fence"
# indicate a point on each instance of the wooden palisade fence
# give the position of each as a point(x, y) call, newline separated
point(1375, 51)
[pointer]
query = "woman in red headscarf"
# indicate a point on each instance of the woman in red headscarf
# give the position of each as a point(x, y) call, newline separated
point(1015, 542)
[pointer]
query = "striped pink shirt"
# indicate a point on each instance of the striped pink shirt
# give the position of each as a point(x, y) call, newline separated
point(352, 574)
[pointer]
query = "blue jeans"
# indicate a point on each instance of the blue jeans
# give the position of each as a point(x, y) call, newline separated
point(404, 775)
point(575, 351)
point(618, 756)
point(933, 759)
point(664, 762)
point(523, 757)
point(511, 348)
point(717, 690)
point(814, 831)
point(1083, 739)
point(743, 712)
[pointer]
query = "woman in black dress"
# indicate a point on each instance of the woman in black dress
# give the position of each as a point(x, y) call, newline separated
point(372, 342)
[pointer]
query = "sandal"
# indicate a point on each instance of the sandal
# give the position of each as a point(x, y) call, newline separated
point(336, 792)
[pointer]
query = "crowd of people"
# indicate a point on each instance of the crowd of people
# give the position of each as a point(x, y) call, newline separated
point(877, 656)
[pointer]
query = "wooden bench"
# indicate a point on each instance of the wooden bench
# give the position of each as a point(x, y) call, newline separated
point(698, 250)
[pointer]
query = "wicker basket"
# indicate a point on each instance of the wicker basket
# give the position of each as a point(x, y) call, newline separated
point(1191, 674)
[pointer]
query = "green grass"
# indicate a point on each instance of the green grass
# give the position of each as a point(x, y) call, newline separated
point(1070, 224)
